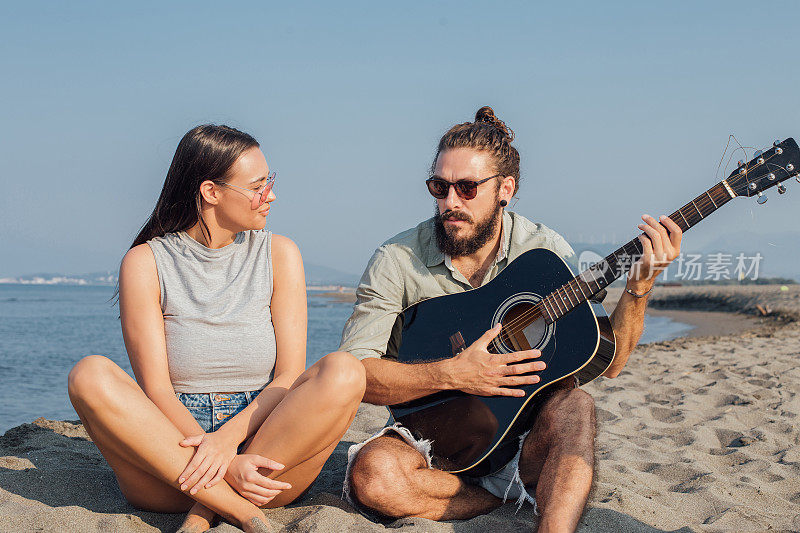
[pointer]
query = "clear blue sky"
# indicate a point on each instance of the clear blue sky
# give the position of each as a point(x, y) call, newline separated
point(620, 108)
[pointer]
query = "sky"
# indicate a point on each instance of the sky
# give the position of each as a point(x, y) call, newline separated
point(619, 109)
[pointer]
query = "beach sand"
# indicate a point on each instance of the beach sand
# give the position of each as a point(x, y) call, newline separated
point(699, 433)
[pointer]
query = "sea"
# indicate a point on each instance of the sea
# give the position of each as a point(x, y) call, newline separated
point(46, 329)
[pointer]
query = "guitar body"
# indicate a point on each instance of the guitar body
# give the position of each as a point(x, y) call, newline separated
point(478, 435)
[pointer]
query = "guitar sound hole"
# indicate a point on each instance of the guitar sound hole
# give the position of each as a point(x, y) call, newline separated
point(522, 328)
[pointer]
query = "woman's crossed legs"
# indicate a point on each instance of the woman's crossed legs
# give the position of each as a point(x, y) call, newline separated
point(141, 444)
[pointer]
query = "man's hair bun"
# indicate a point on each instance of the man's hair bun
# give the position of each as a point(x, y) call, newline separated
point(488, 134)
point(486, 114)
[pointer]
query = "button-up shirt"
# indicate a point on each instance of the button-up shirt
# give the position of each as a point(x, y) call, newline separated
point(409, 268)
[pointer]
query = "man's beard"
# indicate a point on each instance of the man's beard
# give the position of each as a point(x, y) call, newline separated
point(482, 232)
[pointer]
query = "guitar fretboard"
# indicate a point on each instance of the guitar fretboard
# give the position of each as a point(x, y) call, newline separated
point(601, 274)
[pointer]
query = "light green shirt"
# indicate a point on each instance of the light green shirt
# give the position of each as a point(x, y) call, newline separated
point(409, 268)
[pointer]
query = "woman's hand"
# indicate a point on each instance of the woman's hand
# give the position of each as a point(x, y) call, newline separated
point(214, 453)
point(244, 477)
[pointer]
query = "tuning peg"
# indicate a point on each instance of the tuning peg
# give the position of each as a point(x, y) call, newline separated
point(761, 198)
point(789, 167)
point(797, 178)
point(781, 189)
point(771, 176)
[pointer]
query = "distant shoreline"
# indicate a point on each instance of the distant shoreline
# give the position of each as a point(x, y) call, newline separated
point(75, 282)
point(344, 295)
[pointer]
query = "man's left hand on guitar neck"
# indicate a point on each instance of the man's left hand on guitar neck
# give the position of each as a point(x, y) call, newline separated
point(661, 244)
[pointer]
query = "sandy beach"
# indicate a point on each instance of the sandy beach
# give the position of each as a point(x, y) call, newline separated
point(697, 434)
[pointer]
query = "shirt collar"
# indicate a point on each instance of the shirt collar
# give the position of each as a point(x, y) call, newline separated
point(436, 257)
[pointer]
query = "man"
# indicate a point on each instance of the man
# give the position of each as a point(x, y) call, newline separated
point(467, 243)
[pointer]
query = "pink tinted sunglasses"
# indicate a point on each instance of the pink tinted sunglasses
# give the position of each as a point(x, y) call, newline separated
point(259, 196)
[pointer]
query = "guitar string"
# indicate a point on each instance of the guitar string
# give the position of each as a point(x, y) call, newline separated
point(724, 153)
point(536, 310)
point(703, 203)
point(539, 307)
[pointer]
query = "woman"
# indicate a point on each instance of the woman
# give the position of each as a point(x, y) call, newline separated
point(223, 417)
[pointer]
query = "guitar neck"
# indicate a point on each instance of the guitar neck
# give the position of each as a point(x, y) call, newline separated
point(601, 274)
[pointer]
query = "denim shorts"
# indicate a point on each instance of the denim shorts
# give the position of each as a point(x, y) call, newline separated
point(213, 409)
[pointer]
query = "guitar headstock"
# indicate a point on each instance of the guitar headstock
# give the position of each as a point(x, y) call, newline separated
point(768, 168)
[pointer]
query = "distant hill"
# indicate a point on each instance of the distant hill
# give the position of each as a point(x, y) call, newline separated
point(322, 275)
point(780, 252)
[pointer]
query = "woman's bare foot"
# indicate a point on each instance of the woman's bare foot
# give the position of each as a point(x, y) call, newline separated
point(257, 525)
point(197, 520)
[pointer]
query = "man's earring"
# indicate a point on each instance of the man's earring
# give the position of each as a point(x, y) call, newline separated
point(503, 203)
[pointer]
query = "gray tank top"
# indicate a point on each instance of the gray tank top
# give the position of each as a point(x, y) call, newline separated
point(216, 307)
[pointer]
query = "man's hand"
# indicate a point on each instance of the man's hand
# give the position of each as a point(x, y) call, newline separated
point(476, 371)
point(244, 477)
point(661, 243)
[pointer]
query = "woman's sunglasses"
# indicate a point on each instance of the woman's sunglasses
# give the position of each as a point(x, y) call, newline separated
point(466, 189)
point(261, 194)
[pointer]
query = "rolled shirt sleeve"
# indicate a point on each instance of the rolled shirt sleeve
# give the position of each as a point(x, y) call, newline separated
point(379, 299)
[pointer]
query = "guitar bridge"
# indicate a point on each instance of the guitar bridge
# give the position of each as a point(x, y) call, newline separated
point(457, 343)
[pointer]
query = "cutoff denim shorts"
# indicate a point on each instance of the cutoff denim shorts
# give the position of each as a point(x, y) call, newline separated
point(213, 409)
point(504, 484)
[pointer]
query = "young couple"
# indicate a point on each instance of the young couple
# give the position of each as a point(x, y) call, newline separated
point(224, 419)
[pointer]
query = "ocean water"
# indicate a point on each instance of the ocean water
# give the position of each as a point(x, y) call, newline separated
point(45, 330)
point(662, 328)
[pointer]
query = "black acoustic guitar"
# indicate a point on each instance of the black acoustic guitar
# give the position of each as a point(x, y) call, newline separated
point(543, 305)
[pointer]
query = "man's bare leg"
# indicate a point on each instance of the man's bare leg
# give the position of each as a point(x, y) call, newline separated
point(390, 477)
point(558, 458)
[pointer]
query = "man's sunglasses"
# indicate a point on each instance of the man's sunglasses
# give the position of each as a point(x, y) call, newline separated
point(466, 189)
